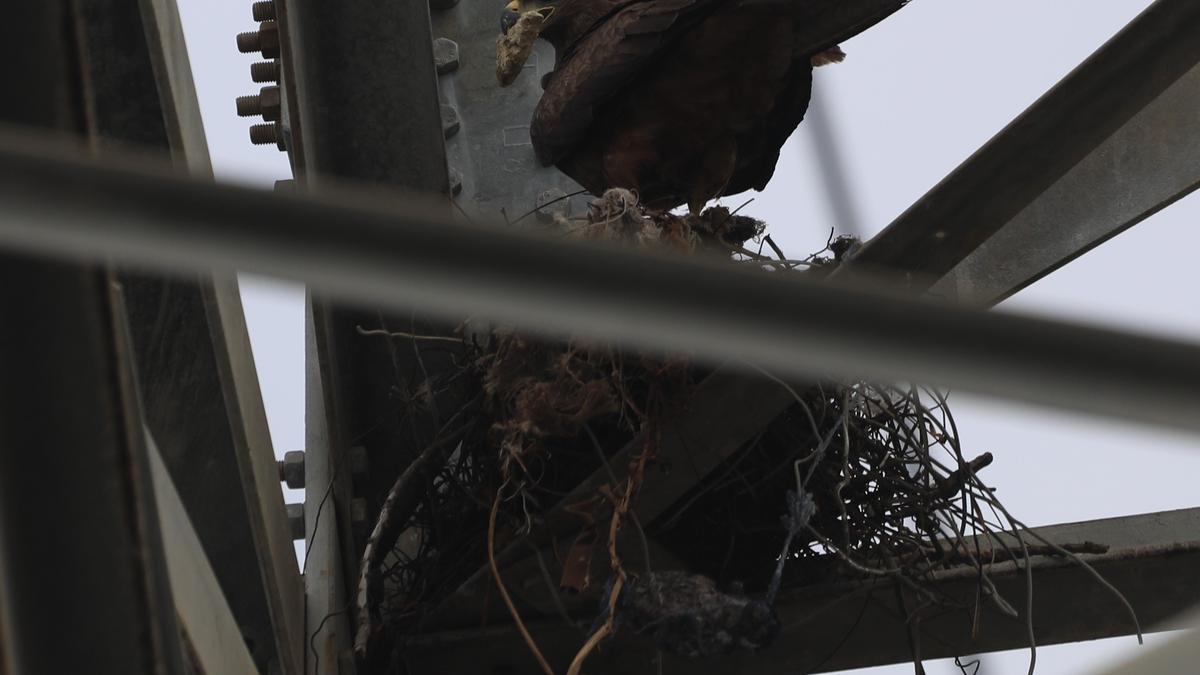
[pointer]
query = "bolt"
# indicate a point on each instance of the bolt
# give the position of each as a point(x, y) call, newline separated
point(264, 40)
point(263, 11)
point(264, 71)
point(445, 55)
point(450, 123)
point(291, 469)
point(249, 106)
point(264, 134)
point(295, 516)
point(455, 183)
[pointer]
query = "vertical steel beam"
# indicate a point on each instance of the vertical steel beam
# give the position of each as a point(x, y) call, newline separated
point(189, 335)
point(325, 588)
point(78, 524)
point(78, 527)
point(367, 92)
point(365, 108)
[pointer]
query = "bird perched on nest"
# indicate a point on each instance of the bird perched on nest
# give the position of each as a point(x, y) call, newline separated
point(681, 101)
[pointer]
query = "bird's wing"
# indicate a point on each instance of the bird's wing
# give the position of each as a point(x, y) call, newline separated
point(620, 47)
point(601, 63)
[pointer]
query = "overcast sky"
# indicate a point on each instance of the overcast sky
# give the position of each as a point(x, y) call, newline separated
point(915, 97)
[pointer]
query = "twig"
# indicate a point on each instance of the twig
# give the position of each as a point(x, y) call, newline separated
point(512, 608)
point(405, 336)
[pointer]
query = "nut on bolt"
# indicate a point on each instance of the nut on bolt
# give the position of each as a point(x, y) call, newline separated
point(291, 469)
point(450, 123)
point(445, 55)
point(268, 102)
point(264, 40)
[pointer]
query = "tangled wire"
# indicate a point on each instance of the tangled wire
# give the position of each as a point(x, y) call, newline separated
point(895, 496)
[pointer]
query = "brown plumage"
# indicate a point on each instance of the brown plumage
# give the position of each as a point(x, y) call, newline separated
point(683, 100)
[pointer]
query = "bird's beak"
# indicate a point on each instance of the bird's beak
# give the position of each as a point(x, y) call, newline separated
point(512, 12)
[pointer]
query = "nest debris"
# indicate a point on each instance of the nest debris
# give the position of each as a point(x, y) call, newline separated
point(893, 495)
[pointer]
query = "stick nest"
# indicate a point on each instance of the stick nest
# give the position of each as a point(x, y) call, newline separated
point(896, 498)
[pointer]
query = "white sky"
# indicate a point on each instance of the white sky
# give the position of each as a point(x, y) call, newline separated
point(916, 96)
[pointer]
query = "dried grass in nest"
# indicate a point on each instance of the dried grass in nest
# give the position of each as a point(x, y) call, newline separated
point(895, 495)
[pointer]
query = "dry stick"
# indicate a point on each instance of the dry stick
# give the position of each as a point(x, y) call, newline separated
point(512, 608)
point(631, 486)
point(405, 336)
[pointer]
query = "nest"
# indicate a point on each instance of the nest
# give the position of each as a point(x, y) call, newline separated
point(870, 480)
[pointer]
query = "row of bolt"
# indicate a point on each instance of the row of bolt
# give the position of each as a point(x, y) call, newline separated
point(291, 473)
point(268, 102)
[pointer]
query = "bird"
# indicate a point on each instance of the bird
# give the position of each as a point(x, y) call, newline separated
point(680, 101)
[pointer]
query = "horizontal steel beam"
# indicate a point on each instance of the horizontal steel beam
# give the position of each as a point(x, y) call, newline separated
point(1073, 120)
point(62, 203)
point(1151, 559)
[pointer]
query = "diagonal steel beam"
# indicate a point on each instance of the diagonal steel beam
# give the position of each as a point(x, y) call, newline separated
point(1147, 165)
point(1073, 120)
point(216, 642)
